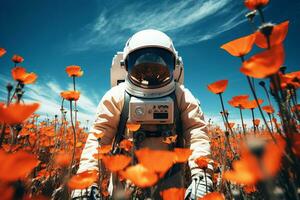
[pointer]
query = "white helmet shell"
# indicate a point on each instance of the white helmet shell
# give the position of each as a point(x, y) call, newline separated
point(148, 38)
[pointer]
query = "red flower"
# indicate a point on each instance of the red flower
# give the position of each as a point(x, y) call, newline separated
point(255, 4)
point(241, 46)
point(268, 109)
point(20, 162)
point(277, 36)
point(264, 64)
point(83, 180)
point(70, 95)
point(16, 113)
point(202, 162)
point(74, 70)
point(218, 86)
point(140, 176)
point(17, 59)
point(2, 52)
point(173, 194)
point(20, 74)
point(213, 196)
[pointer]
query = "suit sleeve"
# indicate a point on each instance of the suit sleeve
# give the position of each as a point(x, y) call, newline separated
point(107, 121)
point(194, 128)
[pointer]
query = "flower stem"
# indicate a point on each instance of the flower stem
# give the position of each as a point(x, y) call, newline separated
point(225, 114)
point(74, 138)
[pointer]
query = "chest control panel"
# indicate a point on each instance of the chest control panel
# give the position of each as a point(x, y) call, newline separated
point(151, 111)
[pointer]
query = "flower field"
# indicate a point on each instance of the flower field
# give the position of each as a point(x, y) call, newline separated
point(39, 159)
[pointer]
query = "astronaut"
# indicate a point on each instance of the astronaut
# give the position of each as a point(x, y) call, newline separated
point(147, 89)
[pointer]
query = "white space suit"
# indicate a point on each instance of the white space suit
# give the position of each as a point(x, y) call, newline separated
point(144, 50)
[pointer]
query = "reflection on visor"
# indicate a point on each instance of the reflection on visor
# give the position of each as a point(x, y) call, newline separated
point(150, 67)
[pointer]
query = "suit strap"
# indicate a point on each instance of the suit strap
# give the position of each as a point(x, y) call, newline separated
point(123, 120)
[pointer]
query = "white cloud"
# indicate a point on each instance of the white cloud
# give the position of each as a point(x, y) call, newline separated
point(187, 22)
point(48, 95)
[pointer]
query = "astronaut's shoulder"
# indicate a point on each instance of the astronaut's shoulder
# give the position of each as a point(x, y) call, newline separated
point(179, 88)
point(116, 91)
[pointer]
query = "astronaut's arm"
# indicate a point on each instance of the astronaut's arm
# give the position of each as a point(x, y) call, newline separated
point(107, 120)
point(194, 129)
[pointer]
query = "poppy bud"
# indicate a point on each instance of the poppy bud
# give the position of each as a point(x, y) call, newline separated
point(283, 69)
point(262, 83)
point(266, 29)
point(250, 15)
point(256, 146)
point(9, 87)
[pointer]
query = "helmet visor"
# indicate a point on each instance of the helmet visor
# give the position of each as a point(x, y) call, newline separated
point(150, 67)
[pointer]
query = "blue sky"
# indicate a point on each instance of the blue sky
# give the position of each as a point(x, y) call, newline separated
point(51, 35)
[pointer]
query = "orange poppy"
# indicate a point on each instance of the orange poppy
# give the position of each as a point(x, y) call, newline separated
point(74, 70)
point(156, 160)
point(116, 163)
point(268, 109)
point(63, 159)
point(20, 74)
point(256, 122)
point(104, 149)
point(70, 95)
point(255, 4)
point(2, 52)
point(173, 194)
point(251, 104)
point(99, 135)
point(241, 46)
point(277, 36)
point(7, 191)
point(20, 162)
point(231, 124)
point(218, 86)
point(202, 162)
point(238, 101)
point(17, 59)
point(126, 145)
point(213, 196)
point(133, 127)
point(182, 154)
point(17, 113)
point(140, 176)
point(83, 180)
point(264, 64)
point(170, 139)
point(248, 171)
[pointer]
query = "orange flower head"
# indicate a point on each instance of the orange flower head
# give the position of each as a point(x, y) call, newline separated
point(140, 176)
point(156, 160)
point(20, 74)
point(17, 59)
point(238, 101)
point(255, 4)
point(104, 149)
point(264, 64)
point(213, 196)
point(116, 163)
point(251, 104)
point(257, 122)
point(182, 154)
point(277, 36)
point(74, 70)
point(268, 109)
point(21, 162)
point(62, 159)
point(240, 47)
point(126, 145)
point(16, 113)
point(2, 52)
point(218, 87)
point(70, 95)
point(133, 127)
point(83, 180)
point(202, 162)
point(173, 194)
point(248, 169)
